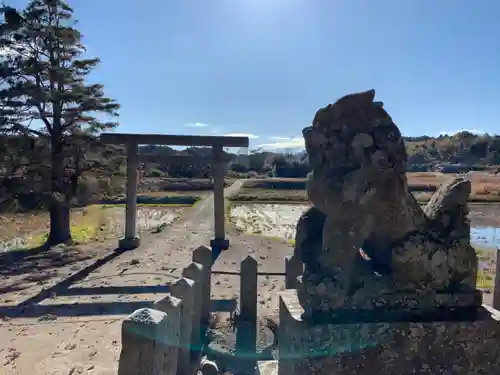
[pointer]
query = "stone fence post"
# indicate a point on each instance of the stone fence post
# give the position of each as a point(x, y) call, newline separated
point(246, 336)
point(145, 347)
point(293, 269)
point(183, 289)
point(203, 256)
point(194, 271)
point(171, 306)
point(496, 286)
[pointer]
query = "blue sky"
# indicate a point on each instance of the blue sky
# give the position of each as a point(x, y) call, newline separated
point(263, 67)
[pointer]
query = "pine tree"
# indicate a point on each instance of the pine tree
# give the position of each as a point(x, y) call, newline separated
point(44, 94)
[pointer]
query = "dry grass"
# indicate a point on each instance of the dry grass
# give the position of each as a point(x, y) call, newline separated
point(270, 196)
point(167, 184)
point(481, 181)
point(22, 230)
point(94, 223)
point(486, 277)
point(30, 230)
point(185, 193)
point(485, 188)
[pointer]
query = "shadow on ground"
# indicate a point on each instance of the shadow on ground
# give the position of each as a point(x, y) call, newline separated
point(20, 270)
point(43, 265)
point(24, 261)
point(52, 312)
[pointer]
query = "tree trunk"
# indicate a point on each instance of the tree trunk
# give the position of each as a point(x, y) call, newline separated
point(59, 223)
point(59, 206)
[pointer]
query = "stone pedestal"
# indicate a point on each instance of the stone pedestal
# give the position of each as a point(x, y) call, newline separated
point(218, 244)
point(129, 243)
point(450, 346)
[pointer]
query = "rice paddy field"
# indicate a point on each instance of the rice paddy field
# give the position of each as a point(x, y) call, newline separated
point(485, 188)
point(160, 203)
point(95, 223)
point(266, 207)
point(271, 207)
point(279, 221)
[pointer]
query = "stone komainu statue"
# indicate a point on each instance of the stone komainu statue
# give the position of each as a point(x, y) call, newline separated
point(359, 190)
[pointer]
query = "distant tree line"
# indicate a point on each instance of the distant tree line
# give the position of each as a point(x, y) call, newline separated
point(460, 152)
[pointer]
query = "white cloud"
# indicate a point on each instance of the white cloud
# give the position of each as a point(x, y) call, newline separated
point(297, 142)
point(280, 138)
point(197, 125)
point(250, 136)
point(473, 131)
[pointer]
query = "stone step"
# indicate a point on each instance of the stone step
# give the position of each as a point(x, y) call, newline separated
point(267, 367)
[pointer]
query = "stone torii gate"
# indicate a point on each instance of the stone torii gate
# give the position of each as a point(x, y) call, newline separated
point(132, 141)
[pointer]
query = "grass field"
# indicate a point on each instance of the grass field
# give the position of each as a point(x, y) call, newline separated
point(485, 188)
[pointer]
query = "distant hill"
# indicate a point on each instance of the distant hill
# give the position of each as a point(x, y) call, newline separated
point(462, 150)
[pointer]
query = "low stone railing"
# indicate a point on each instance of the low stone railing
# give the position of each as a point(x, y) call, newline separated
point(167, 338)
point(496, 285)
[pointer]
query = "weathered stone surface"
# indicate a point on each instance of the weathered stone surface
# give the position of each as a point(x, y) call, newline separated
point(449, 228)
point(359, 189)
point(396, 347)
point(396, 305)
point(145, 345)
point(194, 271)
point(267, 367)
point(246, 338)
point(309, 237)
point(171, 306)
point(208, 367)
point(203, 255)
point(184, 289)
point(439, 250)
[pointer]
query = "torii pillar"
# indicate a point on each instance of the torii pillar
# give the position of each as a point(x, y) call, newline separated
point(131, 240)
point(218, 169)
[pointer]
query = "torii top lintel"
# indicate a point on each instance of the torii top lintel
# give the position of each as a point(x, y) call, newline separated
point(174, 140)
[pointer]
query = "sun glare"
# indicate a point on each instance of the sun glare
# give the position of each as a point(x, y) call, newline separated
point(267, 8)
point(263, 4)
